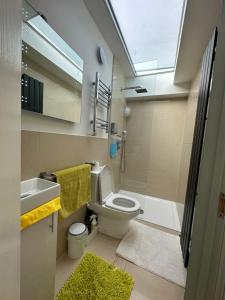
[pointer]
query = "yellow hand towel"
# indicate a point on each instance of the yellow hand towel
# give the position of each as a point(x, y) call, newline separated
point(75, 188)
point(39, 213)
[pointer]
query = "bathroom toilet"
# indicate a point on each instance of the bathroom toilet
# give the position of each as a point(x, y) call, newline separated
point(114, 210)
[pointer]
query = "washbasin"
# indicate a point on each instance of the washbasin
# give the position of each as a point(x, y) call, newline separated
point(35, 192)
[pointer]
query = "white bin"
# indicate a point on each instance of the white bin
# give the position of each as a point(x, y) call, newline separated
point(77, 238)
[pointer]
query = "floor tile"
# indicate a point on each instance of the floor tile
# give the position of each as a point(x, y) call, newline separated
point(152, 287)
point(104, 246)
point(65, 266)
point(120, 262)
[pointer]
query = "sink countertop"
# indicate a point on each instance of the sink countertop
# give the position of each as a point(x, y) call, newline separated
point(36, 192)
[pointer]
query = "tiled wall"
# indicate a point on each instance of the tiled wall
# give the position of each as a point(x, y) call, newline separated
point(118, 103)
point(50, 152)
point(188, 138)
point(155, 133)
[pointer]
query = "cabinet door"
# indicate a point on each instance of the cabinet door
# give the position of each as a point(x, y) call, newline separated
point(38, 260)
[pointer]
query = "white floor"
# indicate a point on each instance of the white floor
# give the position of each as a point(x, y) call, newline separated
point(158, 211)
point(154, 250)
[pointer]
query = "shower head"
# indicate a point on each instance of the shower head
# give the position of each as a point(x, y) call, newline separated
point(138, 89)
point(141, 90)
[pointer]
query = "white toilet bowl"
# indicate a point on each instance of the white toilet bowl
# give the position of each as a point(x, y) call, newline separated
point(114, 210)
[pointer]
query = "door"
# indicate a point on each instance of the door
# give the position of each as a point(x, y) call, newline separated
point(204, 91)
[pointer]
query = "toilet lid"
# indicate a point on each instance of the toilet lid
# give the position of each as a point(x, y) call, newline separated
point(77, 228)
point(106, 185)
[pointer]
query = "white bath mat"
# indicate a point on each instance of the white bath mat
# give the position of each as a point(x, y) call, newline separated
point(154, 250)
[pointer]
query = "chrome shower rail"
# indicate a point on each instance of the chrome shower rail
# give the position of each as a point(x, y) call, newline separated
point(102, 98)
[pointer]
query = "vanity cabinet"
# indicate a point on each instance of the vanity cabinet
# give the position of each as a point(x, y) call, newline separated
point(38, 259)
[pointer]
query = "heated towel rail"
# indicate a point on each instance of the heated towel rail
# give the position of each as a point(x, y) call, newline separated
point(102, 100)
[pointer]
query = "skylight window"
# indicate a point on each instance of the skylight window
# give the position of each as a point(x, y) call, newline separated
point(150, 29)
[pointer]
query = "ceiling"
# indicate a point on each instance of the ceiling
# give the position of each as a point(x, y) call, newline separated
point(103, 19)
point(200, 19)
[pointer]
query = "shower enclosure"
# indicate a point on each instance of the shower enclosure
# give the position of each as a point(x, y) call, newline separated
point(154, 151)
point(152, 156)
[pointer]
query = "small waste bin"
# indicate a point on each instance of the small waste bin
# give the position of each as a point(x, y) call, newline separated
point(77, 238)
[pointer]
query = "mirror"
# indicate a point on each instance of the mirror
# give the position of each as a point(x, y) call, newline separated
point(52, 72)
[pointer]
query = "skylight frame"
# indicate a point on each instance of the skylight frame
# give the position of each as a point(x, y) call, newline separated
point(132, 64)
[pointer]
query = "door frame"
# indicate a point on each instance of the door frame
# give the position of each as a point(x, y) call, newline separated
point(217, 289)
point(10, 134)
point(217, 260)
point(207, 228)
point(198, 138)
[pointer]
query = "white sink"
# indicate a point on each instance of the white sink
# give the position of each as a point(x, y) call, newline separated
point(36, 191)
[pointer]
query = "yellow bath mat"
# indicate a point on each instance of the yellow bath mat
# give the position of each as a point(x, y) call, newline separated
point(96, 279)
point(75, 188)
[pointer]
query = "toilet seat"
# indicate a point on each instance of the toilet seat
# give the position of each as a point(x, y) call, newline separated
point(116, 201)
point(122, 203)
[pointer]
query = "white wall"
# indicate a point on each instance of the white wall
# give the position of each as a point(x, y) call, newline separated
point(72, 21)
point(158, 85)
point(10, 63)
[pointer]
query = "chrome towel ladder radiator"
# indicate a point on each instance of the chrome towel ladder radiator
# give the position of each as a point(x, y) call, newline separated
point(102, 99)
